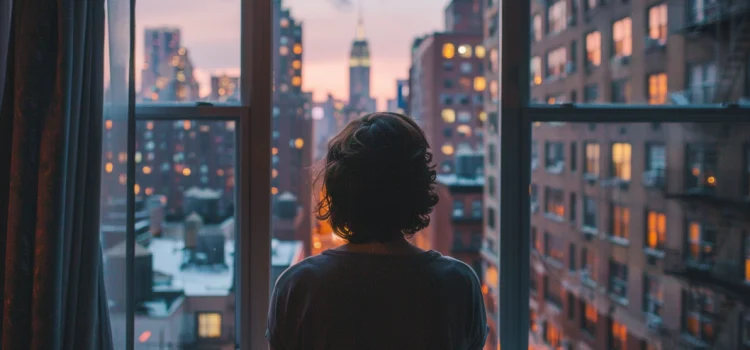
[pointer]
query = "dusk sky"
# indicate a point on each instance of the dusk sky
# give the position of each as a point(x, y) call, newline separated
point(211, 32)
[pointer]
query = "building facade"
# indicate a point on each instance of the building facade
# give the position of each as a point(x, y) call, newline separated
point(637, 236)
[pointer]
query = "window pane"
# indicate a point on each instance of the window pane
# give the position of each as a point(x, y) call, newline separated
point(626, 55)
point(632, 264)
point(189, 51)
point(185, 233)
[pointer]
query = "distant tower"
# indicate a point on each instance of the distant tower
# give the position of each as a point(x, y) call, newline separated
point(359, 71)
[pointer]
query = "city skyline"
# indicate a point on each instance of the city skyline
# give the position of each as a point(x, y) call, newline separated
point(212, 38)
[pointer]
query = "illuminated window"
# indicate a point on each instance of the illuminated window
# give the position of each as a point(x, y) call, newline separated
point(653, 297)
point(296, 64)
point(274, 190)
point(657, 23)
point(747, 258)
point(297, 49)
point(656, 230)
point(701, 242)
point(147, 170)
point(701, 166)
point(590, 316)
point(553, 290)
point(447, 149)
point(621, 160)
point(699, 312)
point(552, 335)
point(554, 247)
point(449, 115)
point(482, 116)
point(557, 18)
point(284, 22)
point(122, 157)
point(556, 61)
point(536, 70)
point(464, 51)
point(593, 49)
point(137, 188)
point(108, 167)
point(536, 29)
point(618, 336)
point(479, 84)
point(622, 37)
point(108, 124)
point(123, 179)
point(480, 51)
point(458, 208)
point(464, 130)
point(620, 221)
point(449, 50)
point(554, 202)
point(186, 171)
point(297, 81)
point(591, 153)
point(657, 88)
point(618, 281)
point(209, 325)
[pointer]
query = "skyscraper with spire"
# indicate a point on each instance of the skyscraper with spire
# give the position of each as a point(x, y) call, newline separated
point(359, 72)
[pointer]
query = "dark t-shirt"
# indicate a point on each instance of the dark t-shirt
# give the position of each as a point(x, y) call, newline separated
point(344, 300)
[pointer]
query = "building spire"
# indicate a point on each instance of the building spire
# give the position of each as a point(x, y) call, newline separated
point(360, 24)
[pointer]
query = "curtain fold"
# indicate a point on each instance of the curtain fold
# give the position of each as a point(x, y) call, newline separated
point(53, 289)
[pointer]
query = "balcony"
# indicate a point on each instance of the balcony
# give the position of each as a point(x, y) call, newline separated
point(722, 275)
point(707, 192)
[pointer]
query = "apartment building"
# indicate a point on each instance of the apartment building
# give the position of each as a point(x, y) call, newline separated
point(639, 231)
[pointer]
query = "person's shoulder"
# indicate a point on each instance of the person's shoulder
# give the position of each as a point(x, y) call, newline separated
point(454, 269)
point(308, 270)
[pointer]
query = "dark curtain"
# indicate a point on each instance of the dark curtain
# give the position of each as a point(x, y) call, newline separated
point(50, 135)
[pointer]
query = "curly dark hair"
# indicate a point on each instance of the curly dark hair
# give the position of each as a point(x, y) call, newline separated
point(378, 180)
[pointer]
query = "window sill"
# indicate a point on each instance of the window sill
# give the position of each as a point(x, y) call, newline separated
point(554, 217)
point(589, 230)
point(590, 177)
point(618, 299)
point(656, 253)
point(555, 170)
point(554, 262)
point(619, 240)
point(589, 282)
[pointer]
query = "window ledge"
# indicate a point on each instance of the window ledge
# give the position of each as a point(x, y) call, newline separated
point(589, 282)
point(656, 253)
point(554, 217)
point(618, 299)
point(689, 338)
point(589, 230)
point(619, 240)
point(590, 177)
point(554, 262)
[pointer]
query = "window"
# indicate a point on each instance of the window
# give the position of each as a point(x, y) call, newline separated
point(571, 306)
point(449, 50)
point(554, 247)
point(621, 91)
point(589, 319)
point(536, 29)
point(553, 292)
point(701, 242)
point(554, 157)
point(556, 61)
point(653, 297)
point(618, 281)
point(591, 93)
point(656, 231)
point(552, 335)
point(449, 115)
point(622, 38)
point(536, 70)
point(620, 223)
point(590, 4)
point(554, 202)
point(593, 49)
point(466, 67)
point(534, 154)
point(702, 162)
point(657, 23)
point(536, 243)
point(746, 250)
point(464, 51)
point(589, 212)
point(573, 157)
point(557, 19)
point(534, 198)
point(479, 84)
point(572, 257)
point(591, 153)
point(618, 336)
point(621, 161)
point(573, 62)
point(209, 325)
point(657, 89)
point(573, 207)
point(476, 209)
point(458, 209)
point(656, 159)
point(702, 83)
point(699, 308)
point(588, 265)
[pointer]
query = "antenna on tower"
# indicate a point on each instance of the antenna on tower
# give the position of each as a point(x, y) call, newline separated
point(360, 22)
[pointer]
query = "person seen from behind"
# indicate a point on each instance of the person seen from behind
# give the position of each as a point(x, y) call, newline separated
point(378, 291)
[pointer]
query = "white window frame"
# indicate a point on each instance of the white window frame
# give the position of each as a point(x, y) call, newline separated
point(516, 117)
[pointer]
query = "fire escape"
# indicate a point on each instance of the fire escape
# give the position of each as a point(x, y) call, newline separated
point(727, 22)
point(711, 261)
